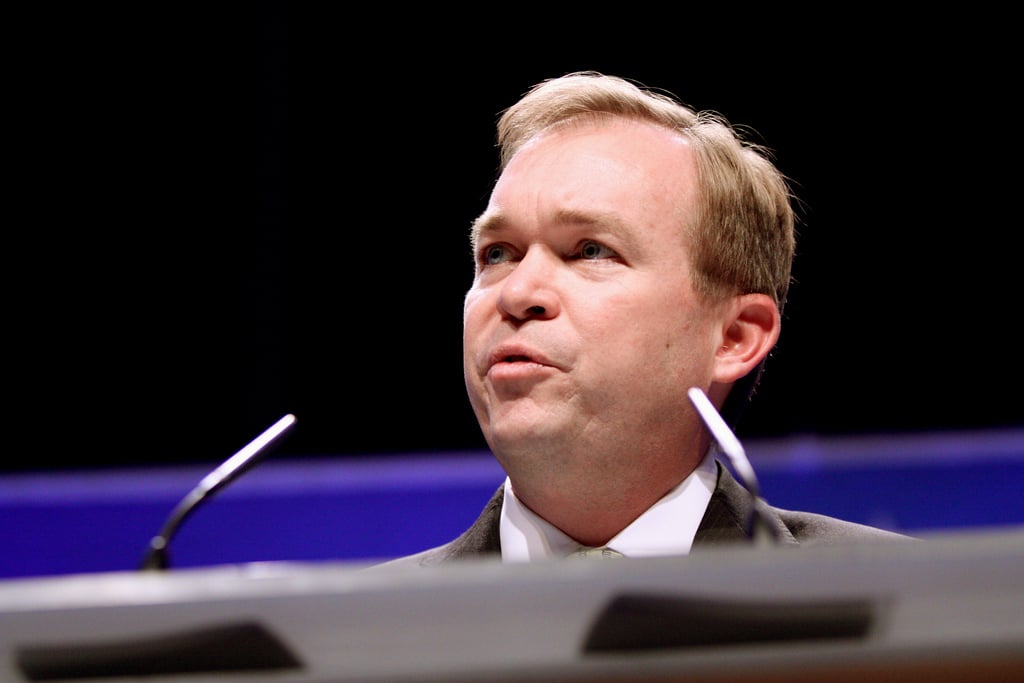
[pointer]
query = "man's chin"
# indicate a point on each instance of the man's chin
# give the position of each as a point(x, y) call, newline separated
point(525, 433)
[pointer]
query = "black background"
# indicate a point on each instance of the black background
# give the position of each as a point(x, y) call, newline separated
point(218, 217)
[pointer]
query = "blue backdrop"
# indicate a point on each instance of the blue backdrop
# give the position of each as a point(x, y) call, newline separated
point(346, 508)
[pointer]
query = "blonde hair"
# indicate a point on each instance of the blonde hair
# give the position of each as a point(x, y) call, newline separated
point(743, 234)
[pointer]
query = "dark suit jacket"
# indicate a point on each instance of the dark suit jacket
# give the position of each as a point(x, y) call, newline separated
point(723, 522)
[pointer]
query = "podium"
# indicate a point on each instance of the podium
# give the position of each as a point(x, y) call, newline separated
point(948, 607)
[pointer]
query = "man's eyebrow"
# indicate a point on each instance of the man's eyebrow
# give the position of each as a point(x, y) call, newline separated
point(487, 222)
point(494, 223)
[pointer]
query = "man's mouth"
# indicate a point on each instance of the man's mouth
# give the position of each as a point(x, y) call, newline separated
point(509, 355)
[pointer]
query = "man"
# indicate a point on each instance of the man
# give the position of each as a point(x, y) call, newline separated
point(631, 249)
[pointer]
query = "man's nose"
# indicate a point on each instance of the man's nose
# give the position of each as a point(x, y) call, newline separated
point(529, 291)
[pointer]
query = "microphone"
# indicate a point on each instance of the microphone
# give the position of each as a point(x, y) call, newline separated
point(756, 525)
point(156, 556)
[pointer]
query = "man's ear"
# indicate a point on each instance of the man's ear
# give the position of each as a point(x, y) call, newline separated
point(749, 332)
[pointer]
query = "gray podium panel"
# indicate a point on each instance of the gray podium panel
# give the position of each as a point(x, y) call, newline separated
point(950, 607)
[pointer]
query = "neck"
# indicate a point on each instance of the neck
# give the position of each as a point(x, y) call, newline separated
point(591, 515)
point(593, 492)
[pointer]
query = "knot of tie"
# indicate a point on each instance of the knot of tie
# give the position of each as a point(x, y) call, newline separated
point(601, 552)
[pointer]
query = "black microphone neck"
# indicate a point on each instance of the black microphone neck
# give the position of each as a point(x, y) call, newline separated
point(157, 555)
point(757, 526)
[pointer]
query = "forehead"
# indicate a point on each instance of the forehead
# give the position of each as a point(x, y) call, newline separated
point(603, 173)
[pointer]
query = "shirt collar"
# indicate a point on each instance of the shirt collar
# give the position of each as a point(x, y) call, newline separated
point(665, 528)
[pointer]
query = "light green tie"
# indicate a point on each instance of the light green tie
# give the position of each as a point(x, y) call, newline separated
point(602, 552)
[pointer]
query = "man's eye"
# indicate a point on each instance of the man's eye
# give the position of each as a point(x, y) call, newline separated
point(594, 250)
point(494, 254)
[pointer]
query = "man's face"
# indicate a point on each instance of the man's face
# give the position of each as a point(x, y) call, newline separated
point(582, 332)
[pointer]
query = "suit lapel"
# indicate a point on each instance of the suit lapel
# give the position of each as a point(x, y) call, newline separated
point(729, 506)
point(484, 536)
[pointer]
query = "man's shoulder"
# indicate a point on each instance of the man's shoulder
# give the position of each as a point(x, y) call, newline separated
point(481, 539)
point(732, 504)
point(425, 558)
point(815, 528)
